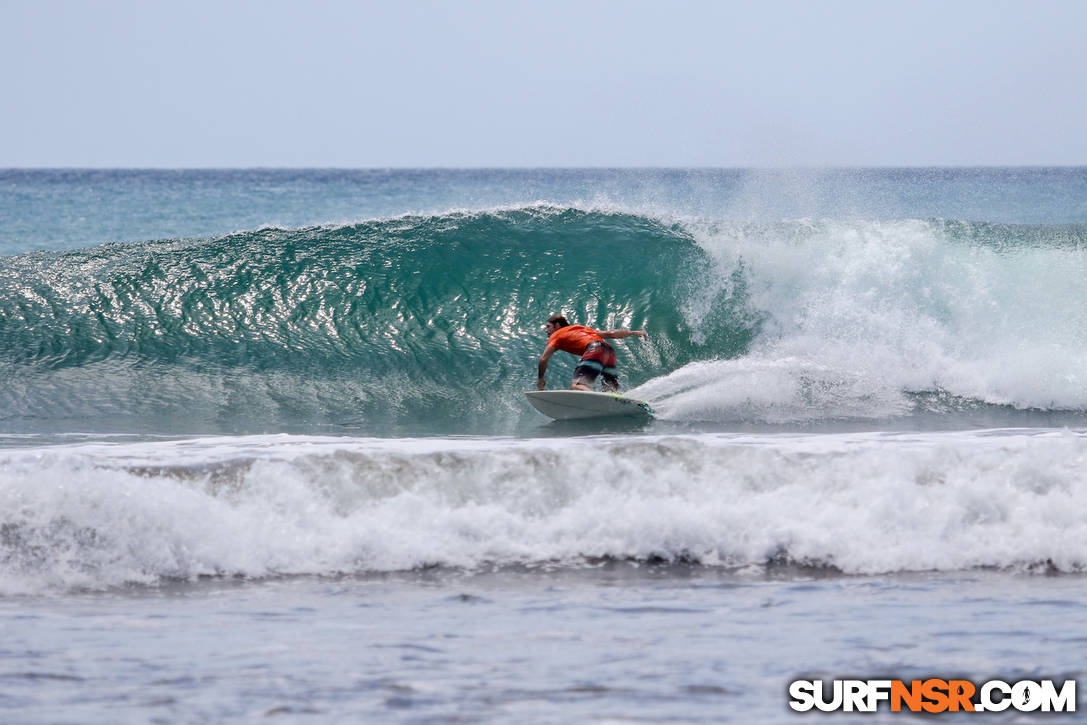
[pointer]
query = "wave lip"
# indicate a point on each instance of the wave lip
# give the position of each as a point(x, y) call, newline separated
point(108, 515)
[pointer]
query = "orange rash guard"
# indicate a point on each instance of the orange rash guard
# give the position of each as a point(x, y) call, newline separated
point(573, 339)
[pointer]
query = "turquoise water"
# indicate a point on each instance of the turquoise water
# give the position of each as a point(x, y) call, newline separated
point(423, 323)
point(271, 423)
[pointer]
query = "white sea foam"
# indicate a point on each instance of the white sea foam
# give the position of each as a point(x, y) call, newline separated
point(855, 314)
point(95, 515)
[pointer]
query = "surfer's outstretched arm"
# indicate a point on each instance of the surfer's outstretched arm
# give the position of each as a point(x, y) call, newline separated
point(620, 334)
point(541, 381)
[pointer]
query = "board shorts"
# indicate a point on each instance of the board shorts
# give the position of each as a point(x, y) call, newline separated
point(598, 360)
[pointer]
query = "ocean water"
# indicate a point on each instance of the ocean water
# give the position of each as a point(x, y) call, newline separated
point(264, 451)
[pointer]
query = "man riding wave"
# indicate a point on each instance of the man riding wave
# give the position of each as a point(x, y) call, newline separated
point(597, 356)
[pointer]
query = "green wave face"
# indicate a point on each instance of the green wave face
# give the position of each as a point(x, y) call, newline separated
point(419, 323)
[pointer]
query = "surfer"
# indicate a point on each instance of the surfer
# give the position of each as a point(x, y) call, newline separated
point(597, 356)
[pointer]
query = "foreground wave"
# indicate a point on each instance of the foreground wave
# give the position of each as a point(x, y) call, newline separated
point(106, 514)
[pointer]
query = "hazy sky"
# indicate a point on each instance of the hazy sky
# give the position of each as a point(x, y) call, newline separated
point(550, 83)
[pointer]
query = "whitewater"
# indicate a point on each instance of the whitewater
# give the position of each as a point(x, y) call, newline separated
point(264, 448)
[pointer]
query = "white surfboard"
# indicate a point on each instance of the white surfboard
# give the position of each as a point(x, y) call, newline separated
point(571, 404)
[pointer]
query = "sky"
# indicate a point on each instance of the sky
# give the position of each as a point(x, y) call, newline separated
point(508, 83)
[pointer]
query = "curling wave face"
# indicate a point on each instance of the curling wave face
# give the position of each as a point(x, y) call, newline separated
point(415, 320)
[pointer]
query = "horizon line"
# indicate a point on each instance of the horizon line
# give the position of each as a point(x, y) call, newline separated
point(803, 167)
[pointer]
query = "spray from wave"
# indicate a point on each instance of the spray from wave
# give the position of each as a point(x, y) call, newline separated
point(881, 319)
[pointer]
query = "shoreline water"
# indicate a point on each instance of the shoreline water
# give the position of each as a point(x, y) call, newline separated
point(619, 642)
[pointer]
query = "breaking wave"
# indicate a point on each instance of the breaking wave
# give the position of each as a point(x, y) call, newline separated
point(432, 324)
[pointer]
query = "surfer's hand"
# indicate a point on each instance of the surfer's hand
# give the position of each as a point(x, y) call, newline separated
point(642, 334)
point(541, 383)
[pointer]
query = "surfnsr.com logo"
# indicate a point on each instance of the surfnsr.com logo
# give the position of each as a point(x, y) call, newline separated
point(933, 695)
